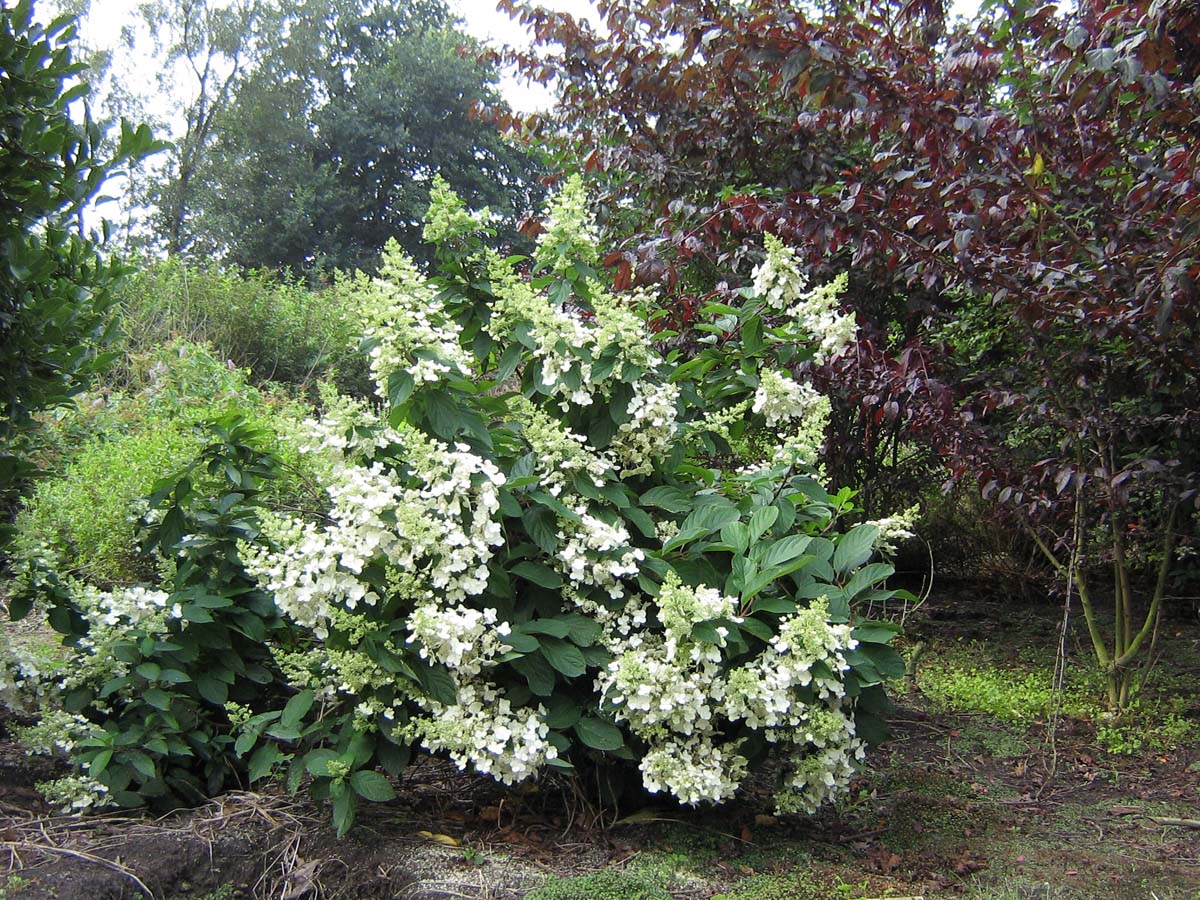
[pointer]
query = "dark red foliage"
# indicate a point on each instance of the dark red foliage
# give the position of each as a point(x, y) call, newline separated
point(1039, 167)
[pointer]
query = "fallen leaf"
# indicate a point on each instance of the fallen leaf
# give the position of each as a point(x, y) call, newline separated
point(444, 839)
point(747, 834)
point(765, 820)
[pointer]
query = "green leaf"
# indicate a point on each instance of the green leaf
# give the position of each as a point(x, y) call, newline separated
point(372, 786)
point(212, 689)
point(640, 521)
point(854, 548)
point(317, 761)
point(737, 535)
point(100, 762)
point(343, 808)
point(867, 577)
point(553, 627)
point(761, 520)
point(438, 684)
point(758, 628)
point(783, 550)
point(599, 734)
point(707, 633)
point(538, 673)
point(541, 524)
point(158, 698)
point(263, 762)
point(584, 630)
point(564, 657)
point(148, 670)
point(667, 497)
point(296, 709)
point(776, 605)
point(875, 632)
point(562, 712)
point(140, 762)
point(521, 643)
point(541, 575)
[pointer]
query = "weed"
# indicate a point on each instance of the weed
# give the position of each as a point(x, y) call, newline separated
point(994, 740)
point(12, 887)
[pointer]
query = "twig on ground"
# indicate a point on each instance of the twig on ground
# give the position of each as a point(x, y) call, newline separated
point(13, 846)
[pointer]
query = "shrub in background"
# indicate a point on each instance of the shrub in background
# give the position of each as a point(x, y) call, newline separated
point(277, 329)
point(111, 449)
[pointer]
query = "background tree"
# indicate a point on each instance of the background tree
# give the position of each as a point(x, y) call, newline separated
point(1034, 175)
point(55, 285)
point(315, 129)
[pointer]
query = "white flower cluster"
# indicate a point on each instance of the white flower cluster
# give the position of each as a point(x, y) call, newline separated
point(676, 694)
point(407, 324)
point(56, 733)
point(131, 606)
point(569, 234)
point(20, 682)
point(778, 279)
point(110, 615)
point(780, 398)
point(780, 284)
point(436, 523)
point(560, 452)
point(431, 515)
point(448, 218)
point(817, 313)
point(896, 529)
point(460, 638)
point(694, 770)
point(569, 345)
point(74, 793)
point(484, 731)
point(597, 554)
point(650, 432)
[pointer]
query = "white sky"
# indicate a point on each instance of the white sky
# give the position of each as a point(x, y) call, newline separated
point(102, 29)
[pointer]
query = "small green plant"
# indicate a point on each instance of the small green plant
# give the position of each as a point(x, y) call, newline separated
point(278, 330)
point(112, 449)
point(1009, 695)
point(13, 886)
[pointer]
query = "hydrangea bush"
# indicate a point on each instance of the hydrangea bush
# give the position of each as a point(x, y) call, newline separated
point(539, 550)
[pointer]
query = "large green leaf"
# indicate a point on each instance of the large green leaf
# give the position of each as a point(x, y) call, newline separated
point(372, 786)
point(855, 547)
point(599, 734)
point(563, 656)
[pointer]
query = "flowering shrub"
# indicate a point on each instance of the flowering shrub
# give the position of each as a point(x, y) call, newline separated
point(532, 557)
point(538, 552)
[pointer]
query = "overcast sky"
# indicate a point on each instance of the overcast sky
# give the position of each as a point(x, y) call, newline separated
point(102, 29)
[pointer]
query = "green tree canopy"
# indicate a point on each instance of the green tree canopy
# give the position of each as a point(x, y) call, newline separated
point(328, 140)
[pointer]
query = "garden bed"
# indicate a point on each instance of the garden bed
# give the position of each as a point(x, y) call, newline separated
point(960, 803)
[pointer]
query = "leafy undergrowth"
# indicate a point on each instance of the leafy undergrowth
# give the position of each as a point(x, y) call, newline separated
point(962, 803)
